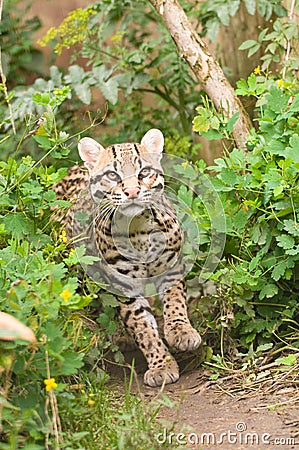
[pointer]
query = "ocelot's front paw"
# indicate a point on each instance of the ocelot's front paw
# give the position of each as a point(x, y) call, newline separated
point(182, 336)
point(168, 373)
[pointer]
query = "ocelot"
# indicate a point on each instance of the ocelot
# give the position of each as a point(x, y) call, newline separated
point(131, 225)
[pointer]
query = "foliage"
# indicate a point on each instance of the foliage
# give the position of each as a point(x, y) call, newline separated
point(124, 59)
point(284, 33)
point(40, 285)
point(73, 29)
point(255, 311)
point(213, 14)
point(259, 191)
point(17, 52)
point(123, 62)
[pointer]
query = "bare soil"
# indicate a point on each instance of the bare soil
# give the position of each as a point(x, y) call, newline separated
point(230, 413)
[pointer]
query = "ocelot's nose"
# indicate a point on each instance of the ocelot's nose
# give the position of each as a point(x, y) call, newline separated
point(132, 192)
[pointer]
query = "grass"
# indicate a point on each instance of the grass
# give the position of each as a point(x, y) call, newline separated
point(88, 411)
point(107, 416)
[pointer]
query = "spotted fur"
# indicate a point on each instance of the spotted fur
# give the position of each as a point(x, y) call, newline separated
point(132, 226)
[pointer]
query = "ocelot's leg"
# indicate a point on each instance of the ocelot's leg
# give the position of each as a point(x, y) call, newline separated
point(162, 367)
point(177, 329)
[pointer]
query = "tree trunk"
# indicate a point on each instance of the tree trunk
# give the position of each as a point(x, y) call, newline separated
point(204, 66)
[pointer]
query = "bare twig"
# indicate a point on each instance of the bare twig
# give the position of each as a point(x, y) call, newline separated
point(276, 405)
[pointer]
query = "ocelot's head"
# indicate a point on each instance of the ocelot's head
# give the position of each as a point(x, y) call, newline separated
point(128, 176)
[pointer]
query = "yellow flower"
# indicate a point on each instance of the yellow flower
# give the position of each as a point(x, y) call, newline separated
point(280, 83)
point(50, 384)
point(48, 177)
point(91, 402)
point(185, 164)
point(257, 70)
point(58, 92)
point(62, 236)
point(66, 294)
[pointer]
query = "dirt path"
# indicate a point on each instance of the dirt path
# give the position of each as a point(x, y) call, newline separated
point(208, 416)
point(212, 415)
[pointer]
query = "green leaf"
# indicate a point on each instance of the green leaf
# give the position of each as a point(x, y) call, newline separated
point(80, 82)
point(5, 200)
point(264, 347)
point(240, 220)
point(285, 241)
point(185, 195)
point(109, 300)
point(291, 227)
point(18, 225)
point(43, 141)
point(215, 123)
point(254, 263)
point(242, 87)
point(110, 90)
point(294, 106)
point(250, 6)
point(231, 122)
point(279, 270)
point(201, 122)
point(252, 82)
point(293, 251)
point(108, 85)
point(212, 135)
point(41, 99)
point(260, 233)
point(212, 26)
point(254, 49)
point(277, 100)
point(229, 176)
point(72, 361)
point(277, 190)
point(268, 290)
point(292, 151)
point(83, 92)
point(289, 360)
point(276, 147)
point(248, 44)
point(78, 256)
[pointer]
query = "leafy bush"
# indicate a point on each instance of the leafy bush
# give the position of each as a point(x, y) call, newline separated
point(19, 57)
point(39, 286)
point(124, 66)
point(257, 308)
point(213, 14)
point(260, 195)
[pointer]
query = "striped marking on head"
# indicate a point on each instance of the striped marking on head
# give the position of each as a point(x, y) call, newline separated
point(125, 171)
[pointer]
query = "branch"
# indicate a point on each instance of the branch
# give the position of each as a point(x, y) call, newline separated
point(204, 66)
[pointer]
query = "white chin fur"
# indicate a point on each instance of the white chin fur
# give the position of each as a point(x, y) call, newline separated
point(131, 209)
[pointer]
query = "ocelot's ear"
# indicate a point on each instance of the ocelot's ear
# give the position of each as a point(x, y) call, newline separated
point(89, 151)
point(153, 141)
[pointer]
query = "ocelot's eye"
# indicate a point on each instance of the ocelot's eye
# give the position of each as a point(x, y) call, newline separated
point(112, 176)
point(145, 172)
